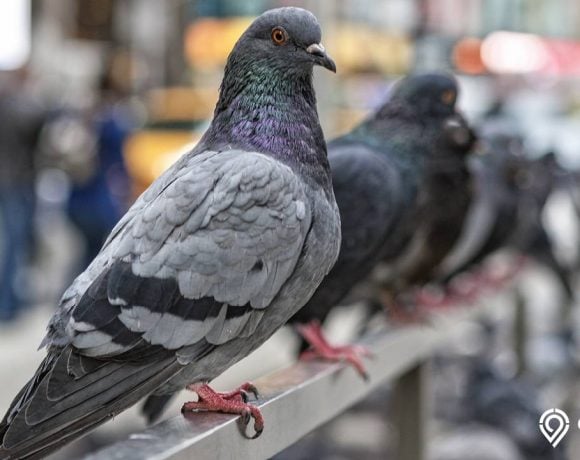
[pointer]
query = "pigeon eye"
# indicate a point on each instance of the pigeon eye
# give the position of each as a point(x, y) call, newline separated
point(279, 36)
point(448, 97)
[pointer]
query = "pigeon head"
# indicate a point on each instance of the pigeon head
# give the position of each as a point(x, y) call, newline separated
point(270, 68)
point(287, 39)
point(430, 94)
point(267, 101)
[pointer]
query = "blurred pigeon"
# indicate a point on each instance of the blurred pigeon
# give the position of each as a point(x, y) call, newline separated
point(510, 195)
point(376, 171)
point(443, 201)
point(493, 211)
point(215, 256)
point(537, 180)
point(511, 405)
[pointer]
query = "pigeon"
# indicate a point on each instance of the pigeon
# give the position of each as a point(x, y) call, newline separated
point(507, 211)
point(493, 211)
point(511, 405)
point(376, 172)
point(210, 261)
point(443, 201)
point(537, 180)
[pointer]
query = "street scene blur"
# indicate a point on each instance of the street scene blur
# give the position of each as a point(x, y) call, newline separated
point(99, 97)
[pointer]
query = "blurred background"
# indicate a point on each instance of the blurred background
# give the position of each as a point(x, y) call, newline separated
point(98, 97)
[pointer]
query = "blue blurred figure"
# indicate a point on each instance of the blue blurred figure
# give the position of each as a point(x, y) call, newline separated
point(96, 204)
point(21, 121)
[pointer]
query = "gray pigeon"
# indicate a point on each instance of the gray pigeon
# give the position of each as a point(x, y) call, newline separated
point(209, 262)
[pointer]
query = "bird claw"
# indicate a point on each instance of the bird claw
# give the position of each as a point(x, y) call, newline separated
point(255, 413)
point(233, 402)
point(244, 396)
point(321, 349)
point(245, 417)
point(249, 387)
point(244, 392)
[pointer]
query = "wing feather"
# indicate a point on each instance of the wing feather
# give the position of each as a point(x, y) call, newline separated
point(219, 243)
point(193, 264)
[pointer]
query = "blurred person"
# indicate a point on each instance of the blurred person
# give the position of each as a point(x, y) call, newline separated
point(21, 120)
point(100, 192)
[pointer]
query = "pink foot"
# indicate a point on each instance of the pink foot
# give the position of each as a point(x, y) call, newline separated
point(320, 348)
point(233, 402)
point(396, 310)
point(468, 287)
point(498, 278)
point(401, 316)
point(465, 290)
point(434, 299)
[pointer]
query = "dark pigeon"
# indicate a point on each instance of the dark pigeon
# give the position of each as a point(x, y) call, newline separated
point(511, 405)
point(493, 211)
point(443, 201)
point(209, 262)
point(538, 179)
point(506, 212)
point(376, 172)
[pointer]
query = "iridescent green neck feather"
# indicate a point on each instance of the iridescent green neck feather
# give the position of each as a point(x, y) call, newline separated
point(268, 107)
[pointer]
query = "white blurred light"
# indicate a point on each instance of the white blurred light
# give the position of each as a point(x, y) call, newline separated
point(511, 52)
point(14, 33)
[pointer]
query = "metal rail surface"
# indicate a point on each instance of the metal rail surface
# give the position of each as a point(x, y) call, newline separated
point(295, 401)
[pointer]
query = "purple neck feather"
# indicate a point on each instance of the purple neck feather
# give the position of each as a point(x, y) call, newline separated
point(270, 110)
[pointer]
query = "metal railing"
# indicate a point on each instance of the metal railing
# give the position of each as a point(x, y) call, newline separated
point(297, 400)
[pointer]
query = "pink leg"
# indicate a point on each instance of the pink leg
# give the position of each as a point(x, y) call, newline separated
point(396, 311)
point(432, 300)
point(499, 280)
point(468, 287)
point(312, 333)
point(233, 402)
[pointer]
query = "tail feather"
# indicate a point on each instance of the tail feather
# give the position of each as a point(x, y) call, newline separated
point(24, 395)
point(40, 451)
point(42, 419)
point(154, 406)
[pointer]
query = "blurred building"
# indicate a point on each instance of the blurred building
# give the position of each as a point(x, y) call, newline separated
point(174, 52)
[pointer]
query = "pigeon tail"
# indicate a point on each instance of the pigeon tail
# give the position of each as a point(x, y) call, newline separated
point(60, 403)
point(154, 406)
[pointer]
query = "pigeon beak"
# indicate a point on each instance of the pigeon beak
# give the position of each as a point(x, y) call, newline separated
point(458, 131)
point(322, 59)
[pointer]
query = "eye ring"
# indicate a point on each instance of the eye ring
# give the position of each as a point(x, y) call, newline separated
point(448, 97)
point(279, 36)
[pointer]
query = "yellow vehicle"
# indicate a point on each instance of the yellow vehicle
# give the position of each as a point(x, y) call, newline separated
point(177, 120)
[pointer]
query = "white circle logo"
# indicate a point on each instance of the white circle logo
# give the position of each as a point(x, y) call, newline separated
point(554, 424)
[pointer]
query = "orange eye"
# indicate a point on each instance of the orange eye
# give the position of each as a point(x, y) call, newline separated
point(448, 97)
point(279, 36)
